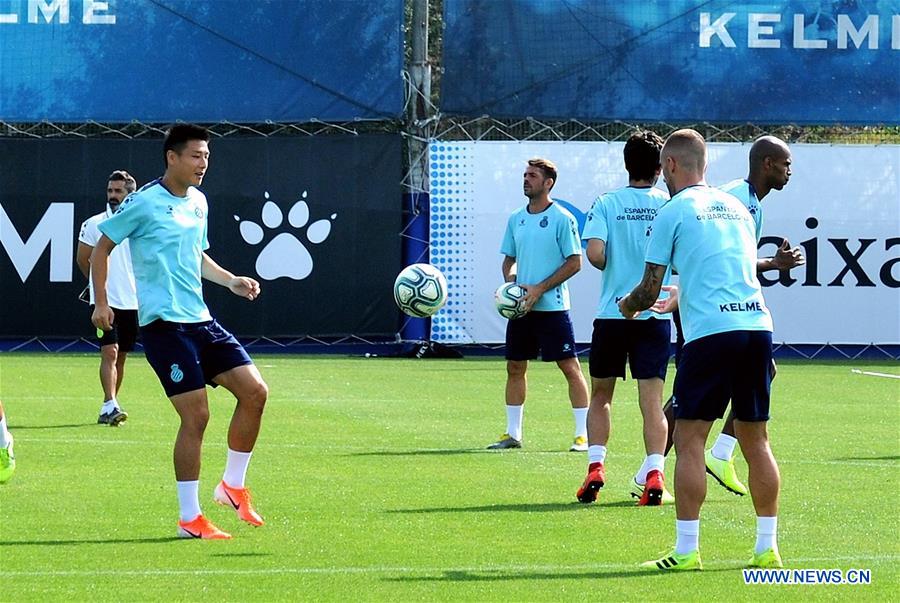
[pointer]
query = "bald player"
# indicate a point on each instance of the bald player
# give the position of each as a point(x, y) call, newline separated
point(770, 169)
point(709, 238)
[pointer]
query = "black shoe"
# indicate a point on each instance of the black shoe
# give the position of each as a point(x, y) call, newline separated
point(112, 418)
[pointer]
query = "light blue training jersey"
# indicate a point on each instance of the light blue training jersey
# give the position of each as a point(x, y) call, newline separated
point(746, 194)
point(706, 235)
point(167, 235)
point(540, 243)
point(620, 219)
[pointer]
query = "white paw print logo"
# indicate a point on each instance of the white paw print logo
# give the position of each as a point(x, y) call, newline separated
point(285, 255)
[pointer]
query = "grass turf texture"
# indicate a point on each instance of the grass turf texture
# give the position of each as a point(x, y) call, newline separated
point(375, 485)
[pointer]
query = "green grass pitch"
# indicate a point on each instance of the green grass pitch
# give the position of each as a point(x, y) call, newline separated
point(375, 485)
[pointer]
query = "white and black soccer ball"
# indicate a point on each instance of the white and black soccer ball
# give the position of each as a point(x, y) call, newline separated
point(420, 290)
point(510, 301)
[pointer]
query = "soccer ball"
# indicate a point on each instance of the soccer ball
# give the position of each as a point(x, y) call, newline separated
point(420, 290)
point(510, 301)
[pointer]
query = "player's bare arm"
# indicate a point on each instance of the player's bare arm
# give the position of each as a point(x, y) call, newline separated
point(242, 286)
point(596, 253)
point(103, 315)
point(509, 269)
point(568, 269)
point(786, 258)
point(645, 294)
point(83, 258)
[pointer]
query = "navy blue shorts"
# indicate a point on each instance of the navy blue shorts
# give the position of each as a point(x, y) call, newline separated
point(645, 344)
point(124, 330)
point(679, 336)
point(549, 333)
point(186, 356)
point(735, 366)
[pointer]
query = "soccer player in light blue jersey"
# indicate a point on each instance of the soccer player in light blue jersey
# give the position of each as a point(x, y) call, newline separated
point(165, 223)
point(541, 252)
point(770, 169)
point(708, 237)
point(616, 234)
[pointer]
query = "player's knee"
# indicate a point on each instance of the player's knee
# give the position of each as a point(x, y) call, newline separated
point(257, 396)
point(600, 401)
point(196, 420)
point(516, 369)
point(573, 372)
point(109, 353)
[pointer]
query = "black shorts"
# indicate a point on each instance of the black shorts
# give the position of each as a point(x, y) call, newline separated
point(736, 366)
point(124, 330)
point(186, 356)
point(679, 336)
point(645, 344)
point(549, 333)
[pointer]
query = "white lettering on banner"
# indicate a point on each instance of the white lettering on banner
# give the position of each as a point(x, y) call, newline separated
point(800, 40)
point(846, 29)
point(755, 29)
point(54, 229)
point(89, 14)
point(717, 28)
point(759, 33)
point(8, 17)
point(93, 12)
point(48, 9)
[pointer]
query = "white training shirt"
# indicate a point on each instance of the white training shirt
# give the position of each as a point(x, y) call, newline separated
point(120, 288)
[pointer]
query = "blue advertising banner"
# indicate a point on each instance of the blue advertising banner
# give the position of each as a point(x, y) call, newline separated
point(200, 60)
point(775, 61)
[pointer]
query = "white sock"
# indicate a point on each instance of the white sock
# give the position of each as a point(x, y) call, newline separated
point(687, 536)
point(766, 529)
point(514, 416)
point(596, 453)
point(580, 415)
point(109, 406)
point(651, 462)
point(188, 499)
point(236, 468)
point(723, 449)
point(4, 434)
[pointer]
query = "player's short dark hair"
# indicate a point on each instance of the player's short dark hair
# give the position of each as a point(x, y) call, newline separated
point(123, 176)
point(546, 166)
point(642, 155)
point(179, 135)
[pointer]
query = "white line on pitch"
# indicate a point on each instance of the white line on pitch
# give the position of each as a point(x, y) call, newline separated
point(418, 570)
point(872, 374)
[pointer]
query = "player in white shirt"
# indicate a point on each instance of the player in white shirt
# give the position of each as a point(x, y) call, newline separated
point(114, 344)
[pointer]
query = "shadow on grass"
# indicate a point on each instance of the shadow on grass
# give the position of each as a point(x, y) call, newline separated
point(520, 507)
point(15, 428)
point(90, 541)
point(505, 575)
point(868, 458)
